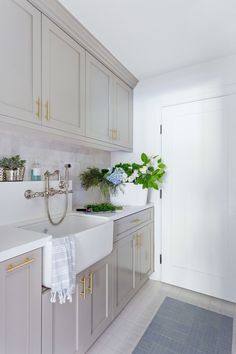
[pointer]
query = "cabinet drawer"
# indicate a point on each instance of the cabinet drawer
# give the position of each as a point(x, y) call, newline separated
point(133, 221)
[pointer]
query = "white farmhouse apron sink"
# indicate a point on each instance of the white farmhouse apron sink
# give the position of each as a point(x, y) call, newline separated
point(93, 234)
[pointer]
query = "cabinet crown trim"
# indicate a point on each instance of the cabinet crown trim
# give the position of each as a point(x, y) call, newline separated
point(64, 19)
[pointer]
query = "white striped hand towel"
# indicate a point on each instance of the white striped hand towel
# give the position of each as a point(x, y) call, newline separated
point(63, 268)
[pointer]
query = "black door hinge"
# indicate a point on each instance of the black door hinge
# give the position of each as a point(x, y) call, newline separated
point(160, 258)
point(160, 193)
point(160, 128)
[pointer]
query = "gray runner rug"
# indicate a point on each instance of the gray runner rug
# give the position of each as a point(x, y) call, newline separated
point(181, 328)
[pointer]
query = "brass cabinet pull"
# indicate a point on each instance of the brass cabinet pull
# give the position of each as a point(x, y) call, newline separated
point(83, 282)
point(27, 261)
point(114, 134)
point(138, 241)
point(37, 113)
point(90, 288)
point(47, 117)
point(135, 221)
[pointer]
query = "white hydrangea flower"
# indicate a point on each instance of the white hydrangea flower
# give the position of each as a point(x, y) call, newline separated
point(124, 176)
point(133, 176)
point(130, 179)
point(143, 170)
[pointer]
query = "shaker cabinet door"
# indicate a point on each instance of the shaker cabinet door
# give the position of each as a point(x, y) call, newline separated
point(63, 80)
point(124, 272)
point(143, 254)
point(100, 278)
point(98, 100)
point(20, 69)
point(123, 113)
point(58, 325)
point(20, 304)
point(94, 293)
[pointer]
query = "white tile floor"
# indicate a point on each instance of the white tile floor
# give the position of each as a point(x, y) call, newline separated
point(125, 332)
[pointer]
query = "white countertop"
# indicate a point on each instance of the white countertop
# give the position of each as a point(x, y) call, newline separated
point(15, 241)
point(127, 210)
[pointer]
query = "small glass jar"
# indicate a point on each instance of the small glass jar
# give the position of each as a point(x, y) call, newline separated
point(35, 171)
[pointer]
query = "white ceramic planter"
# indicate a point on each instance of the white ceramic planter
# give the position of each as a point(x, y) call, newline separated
point(132, 195)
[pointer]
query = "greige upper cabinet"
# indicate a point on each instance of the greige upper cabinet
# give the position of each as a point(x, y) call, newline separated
point(122, 113)
point(20, 69)
point(63, 80)
point(94, 303)
point(99, 116)
point(20, 304)
point(51, 83)
point(109, 105)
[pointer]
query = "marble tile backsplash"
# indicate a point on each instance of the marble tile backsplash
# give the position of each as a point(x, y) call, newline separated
point(52, 155)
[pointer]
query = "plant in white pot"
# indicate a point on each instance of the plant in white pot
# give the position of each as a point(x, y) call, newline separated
point(133, 180)
point(126, 183)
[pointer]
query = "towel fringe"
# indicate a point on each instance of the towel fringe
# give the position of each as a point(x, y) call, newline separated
point(63, 295)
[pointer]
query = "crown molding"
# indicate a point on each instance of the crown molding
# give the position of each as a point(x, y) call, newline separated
point(66, 21)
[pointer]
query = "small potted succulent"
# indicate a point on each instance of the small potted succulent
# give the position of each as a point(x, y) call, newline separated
point(13, 168)
point(2, 173)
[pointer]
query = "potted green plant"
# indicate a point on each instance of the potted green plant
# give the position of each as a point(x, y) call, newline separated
point(127, 183)
point(93, 177)
point(135, 179)
point(14, 168)
point(2, 173)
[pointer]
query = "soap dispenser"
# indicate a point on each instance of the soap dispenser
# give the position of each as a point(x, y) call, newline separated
point(35, 171)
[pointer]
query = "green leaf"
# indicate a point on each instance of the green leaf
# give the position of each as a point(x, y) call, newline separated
point(161, 165)
point(136, 166)
point(151, 169)
point(144, 158)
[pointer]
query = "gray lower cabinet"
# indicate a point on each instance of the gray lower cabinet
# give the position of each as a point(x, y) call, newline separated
point(102, 290)
point(143, 254)
point(73, 327)
point(94, 311)
point(124, 272)
point(58, 326)
point(133, 263)
point(20, 304)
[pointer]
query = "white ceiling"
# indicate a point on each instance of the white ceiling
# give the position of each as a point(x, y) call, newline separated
point(152, 36)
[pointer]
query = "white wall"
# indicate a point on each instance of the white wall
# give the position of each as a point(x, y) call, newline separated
point(209, 79)
point(53, 154)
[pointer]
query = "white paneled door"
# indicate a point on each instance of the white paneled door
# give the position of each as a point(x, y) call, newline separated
point(199, 196)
